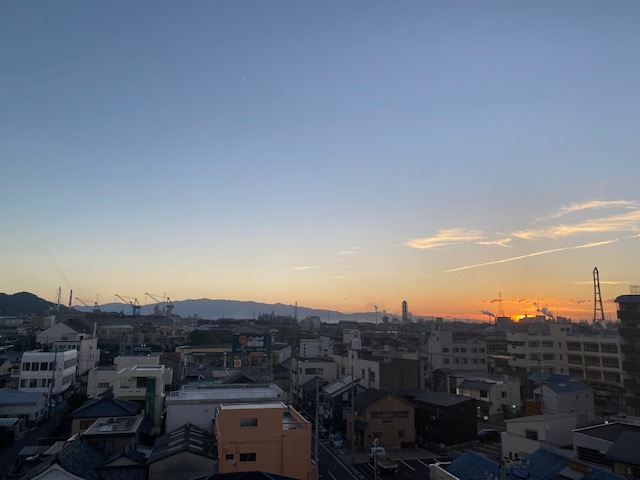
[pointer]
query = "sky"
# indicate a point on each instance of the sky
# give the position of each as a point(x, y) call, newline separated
point(341, 155)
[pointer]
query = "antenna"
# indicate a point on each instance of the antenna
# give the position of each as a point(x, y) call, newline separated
point(500, 309)
point(597, 297)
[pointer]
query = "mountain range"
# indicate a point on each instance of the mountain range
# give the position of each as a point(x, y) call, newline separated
point(25, 303)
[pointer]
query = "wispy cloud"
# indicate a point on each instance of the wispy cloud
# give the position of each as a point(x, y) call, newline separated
point(592, 205)
point(535, 254)
point(305, 267)
point(502, 242)
point(626, 222)
point(350, 251)
point(446, 237)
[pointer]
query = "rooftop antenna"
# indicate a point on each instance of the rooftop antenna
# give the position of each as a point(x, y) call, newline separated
point(597, 298)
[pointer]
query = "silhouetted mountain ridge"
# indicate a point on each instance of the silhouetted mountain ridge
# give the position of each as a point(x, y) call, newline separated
point(23, 303)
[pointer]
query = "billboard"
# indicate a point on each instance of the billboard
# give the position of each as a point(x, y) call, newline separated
point(250, 343)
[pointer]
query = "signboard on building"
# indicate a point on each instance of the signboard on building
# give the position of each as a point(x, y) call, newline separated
point(250, 343)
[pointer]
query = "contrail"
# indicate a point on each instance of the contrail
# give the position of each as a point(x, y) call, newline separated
point(535, 254)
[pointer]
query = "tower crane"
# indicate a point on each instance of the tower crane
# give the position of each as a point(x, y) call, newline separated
point(133, 302)
point(95, 308)
point(166, 307)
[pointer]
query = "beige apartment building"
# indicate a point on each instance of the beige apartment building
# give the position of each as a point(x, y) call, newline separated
point(271, 437)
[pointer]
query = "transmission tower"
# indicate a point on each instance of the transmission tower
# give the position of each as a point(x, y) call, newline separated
point(597, 297)
point(500, 308)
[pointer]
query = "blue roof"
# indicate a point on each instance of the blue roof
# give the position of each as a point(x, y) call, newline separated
point(568, 387)
point(547, 465)
point(107, 407)
point(473, 466)
point(551, 377)
point(11, 396)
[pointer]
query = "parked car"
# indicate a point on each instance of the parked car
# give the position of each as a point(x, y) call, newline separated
point(488, 434)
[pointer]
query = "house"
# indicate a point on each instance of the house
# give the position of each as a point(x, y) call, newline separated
point(31, 407)
point(197, 404)
point(468, 466)
point(527, 434)
point(337, 397)
point(83, 417)
point(565, 397)
point(128, 464)
point(384, 417)
point(497, 398)
point(546, 464)
point(272, 438)
point(183, 454)
point(443, 417)
point(304, 369)
point(113, 434)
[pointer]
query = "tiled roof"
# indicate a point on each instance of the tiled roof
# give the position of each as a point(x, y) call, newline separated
point(434, 398)
point(608, 431)
point(369, 397)
point(567, 387)
point(107, 407)
point(188, 438)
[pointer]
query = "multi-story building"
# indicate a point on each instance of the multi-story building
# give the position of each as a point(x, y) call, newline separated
point(456, 350)
point(197, 404)
point(70, 335)
point(559, 348)
point(305, 369)
point(100, 379)
point(527, 434)
point(271, 438)
point(143, 384)
point(51, 373)
point(316, 347)
point(629, 316)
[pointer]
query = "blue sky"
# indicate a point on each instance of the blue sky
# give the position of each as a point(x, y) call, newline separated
point(338, 154)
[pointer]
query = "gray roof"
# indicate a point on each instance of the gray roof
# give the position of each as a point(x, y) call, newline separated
point(628, 299)
point(625, 448)
point(608, 431)
point(11, 396)
point(477, 384)
point(188, 438)
point(76, 457)
point(107, 407)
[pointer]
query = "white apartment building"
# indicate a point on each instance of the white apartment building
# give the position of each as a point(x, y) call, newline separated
point(73, 335)
point(50, 372)
point(557, 348)
point(567, 397)
point(456, 350)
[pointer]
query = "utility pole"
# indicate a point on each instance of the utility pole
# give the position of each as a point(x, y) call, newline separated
point(317, 440)
point(353, 418)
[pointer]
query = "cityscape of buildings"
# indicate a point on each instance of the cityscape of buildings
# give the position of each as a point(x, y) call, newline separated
point(161, 396)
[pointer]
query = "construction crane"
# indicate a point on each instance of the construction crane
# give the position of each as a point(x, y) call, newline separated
point(95, 308)
point(133, 302)
point(164, 305)
point(597, 298)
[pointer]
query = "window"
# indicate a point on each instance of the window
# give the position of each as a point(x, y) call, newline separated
point(44, 366)
point(574, 346)
point(608, 348)
point(534, 344)
point(591, 347)
point(531, 434)
point(313, 371)
point(594, 375)
point(610, 362)
point(592, 361)
point(24, 383)
point(445, 349)
point(26, 367)
point(612, 377)
point(456, 350)
point(503, 394)
point(474, 350)
point(141, 382)
point(35, 367)
point(400, 433)
point(546, 344)
point(248, 422)
point(548, 356)
point(481, 350)
point(445, 360)
point(575, 359)
point(463, 350)
point(247, 457)
point(104, 384)
point(33, 383)
point(372, 376)
point(228, 456)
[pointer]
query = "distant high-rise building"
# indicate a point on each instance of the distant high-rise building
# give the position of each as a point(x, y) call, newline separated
point(629, 316)
point(405, 311)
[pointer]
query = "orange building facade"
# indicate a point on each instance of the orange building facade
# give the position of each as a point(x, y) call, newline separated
point(270, 437)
